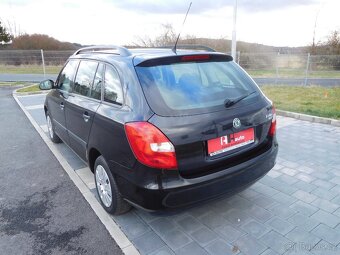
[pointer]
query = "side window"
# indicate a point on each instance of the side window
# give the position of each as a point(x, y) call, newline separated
point(112, 90)
point(97, 84)
point(84, 78)
point(65, 79)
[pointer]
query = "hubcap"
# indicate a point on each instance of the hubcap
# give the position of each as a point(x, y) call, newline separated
point(49, 126)
point(103, 186)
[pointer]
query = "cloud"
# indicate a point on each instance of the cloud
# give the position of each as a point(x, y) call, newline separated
point(180, 6)
point(201, 6)
point(264, 5)
point(17, 2)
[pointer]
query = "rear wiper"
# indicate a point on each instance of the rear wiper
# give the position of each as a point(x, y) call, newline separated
point(231, 102)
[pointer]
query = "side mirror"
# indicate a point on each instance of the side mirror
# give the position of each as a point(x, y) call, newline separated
point(46, 85)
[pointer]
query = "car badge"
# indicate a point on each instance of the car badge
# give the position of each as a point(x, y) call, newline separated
point(236, 123)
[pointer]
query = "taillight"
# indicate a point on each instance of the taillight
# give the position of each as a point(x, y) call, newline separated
point(150, 146)
point(272, 129)
point(195, 57)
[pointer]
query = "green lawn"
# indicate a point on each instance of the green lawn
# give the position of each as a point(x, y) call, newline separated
point(29, 69)
point(33, 88)
point(314, 100)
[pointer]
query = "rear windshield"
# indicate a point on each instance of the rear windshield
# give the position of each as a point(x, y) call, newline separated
point(187, 88)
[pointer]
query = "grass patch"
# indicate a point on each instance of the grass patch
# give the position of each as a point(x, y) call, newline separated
point(29, 69)
point(314, 100)
point(32, 88)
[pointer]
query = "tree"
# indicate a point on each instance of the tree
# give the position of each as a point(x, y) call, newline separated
point(40, 41)
point(333, 45)
point(329, 50)
point(329, 46)
point(333, 42)
point(166, 38)
point(4, 35)
point(14, 28)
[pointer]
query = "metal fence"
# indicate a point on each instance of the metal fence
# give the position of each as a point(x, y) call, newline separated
point(260, 65)
point(33, 57)
point(290, 65)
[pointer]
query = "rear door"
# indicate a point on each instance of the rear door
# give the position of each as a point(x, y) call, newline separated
point(107, 133)
point(195, 99)
point(82, 104)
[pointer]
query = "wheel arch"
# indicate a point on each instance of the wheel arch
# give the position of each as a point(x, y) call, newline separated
point(92, 156)
point(45, 110)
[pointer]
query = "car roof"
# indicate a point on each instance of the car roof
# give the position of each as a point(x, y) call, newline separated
point(107, 53)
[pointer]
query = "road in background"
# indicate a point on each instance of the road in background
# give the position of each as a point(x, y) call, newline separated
point(26, 77)
point(325, 82)
point(41, 210)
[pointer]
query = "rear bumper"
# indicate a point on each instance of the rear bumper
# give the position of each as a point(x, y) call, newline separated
point(179, 192)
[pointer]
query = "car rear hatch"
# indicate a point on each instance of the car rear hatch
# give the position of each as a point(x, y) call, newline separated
point(209, 108)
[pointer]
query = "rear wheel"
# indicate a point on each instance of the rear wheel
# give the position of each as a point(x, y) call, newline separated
point(53, 136)
point(107, 189)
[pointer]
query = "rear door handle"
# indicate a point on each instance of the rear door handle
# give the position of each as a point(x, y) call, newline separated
point(62, 106)
point(86, 116)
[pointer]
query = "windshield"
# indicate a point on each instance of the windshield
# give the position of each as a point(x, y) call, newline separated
point(193, 87)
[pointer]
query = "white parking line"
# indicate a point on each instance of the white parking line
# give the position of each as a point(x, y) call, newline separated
point(116, 233)
point(34, 107)
point(33, 95)
point(44, 128)
point(284, 121)
point(87, 177)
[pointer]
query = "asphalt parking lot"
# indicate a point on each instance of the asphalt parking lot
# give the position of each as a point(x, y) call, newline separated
point(41, 210)
point(295, 209)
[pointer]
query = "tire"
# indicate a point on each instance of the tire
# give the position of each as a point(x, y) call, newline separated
point(107, 188)
point(50, 127)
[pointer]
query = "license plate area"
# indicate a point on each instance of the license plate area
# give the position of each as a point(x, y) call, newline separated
point(230, 142)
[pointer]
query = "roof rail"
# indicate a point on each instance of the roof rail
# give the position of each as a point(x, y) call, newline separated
point(120, 50)
point(191, 47)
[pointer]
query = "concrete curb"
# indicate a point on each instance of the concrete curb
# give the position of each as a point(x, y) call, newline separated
point(309, 118)
point(30, 93)
point(114, 230)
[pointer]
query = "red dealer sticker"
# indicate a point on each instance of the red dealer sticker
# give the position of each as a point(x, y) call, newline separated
point(231, 142)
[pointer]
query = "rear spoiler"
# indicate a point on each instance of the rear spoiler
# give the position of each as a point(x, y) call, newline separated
point(199, 57)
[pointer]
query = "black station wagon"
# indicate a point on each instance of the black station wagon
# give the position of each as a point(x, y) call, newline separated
point(162, 128)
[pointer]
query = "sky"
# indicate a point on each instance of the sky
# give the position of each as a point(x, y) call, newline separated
point(123, 22)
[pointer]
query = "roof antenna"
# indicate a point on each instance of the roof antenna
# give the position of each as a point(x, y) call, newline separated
point(175, 47)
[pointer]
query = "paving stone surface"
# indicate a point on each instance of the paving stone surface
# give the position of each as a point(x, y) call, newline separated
point(295, 209)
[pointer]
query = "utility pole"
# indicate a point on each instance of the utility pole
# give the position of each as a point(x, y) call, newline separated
point(233, 42)
point(315, 24)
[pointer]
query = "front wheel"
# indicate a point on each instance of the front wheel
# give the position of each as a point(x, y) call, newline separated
point(53, 136)
point(107, 189)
